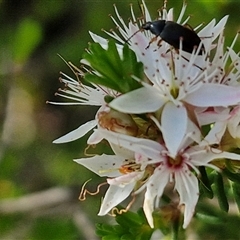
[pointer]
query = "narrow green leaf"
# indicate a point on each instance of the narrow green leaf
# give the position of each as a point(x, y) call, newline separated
point(205, 183)
point(208, 218)
point(235, 177)
point(236, 193)
point(211, 215)
point(220, 192)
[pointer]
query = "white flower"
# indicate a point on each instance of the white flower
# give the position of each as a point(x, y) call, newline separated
point(221, 119)
point(175, 76)
point(123, 171)
point(176, 167)
point(81, 94)
point(181, 93)
point(233, 123)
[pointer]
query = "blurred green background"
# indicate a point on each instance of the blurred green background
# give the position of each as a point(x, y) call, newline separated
point(39, 182)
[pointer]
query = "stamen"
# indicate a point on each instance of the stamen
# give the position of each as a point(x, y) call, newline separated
point(89, 154)
point(82, 195)
point(116, 211)
point(182, 12)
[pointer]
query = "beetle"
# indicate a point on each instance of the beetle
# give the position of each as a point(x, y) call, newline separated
point(172, 33)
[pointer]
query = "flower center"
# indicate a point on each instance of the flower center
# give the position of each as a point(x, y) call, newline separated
point(175, 162)
point(174, 92)
point(129, 167)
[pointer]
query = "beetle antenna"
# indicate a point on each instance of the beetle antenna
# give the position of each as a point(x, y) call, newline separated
point(126, 41)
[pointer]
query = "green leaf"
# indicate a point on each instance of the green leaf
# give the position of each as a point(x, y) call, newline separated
point(235, 177)
point(128, 218)
point(208, 218)
point(236, 193)
point(220, 192)
point(109, 232)
point(114, 72)
point(131, 226)
point(209, 215)
point(205, 184)
point(28, 36)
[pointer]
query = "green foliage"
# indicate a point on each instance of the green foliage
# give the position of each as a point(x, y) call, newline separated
point(216, 224)
point(205, 183)
point(130, 226)
point(209, 215)
point(220, 192)
point(56, 229)
point(235, 177)
point(26, 39)
point(115, 71)
point(236, 194)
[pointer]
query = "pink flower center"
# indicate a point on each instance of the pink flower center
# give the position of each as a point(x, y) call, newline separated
point(175, 162)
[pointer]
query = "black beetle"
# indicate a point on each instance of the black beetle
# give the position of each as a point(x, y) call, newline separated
point(171, 32)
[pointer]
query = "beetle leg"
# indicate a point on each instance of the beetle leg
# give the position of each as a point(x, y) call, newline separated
point(151, 41)
point(159, 43)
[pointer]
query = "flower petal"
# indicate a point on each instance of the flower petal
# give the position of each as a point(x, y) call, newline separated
point(223, 95)
point(142, 100)
point(126, 153)
point(143, 146)
point(233, 123)
point(104, 165)
point(95, 138)
point(200, 156)
point(174, 125)
point(215, 134)
point(114, 196)
point(154, 189)
point(186, 185)
point(77, 133)
point(209, 116)
point(125, 179)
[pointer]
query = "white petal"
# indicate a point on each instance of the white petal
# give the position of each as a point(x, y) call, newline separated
point(210, 116)
point(186, 185)
point(219, 27)
point(126, 153)
point(214, 95)
point(143, 55)
point(233, 123)
point(206, 34)
point(104, 165)
point(193, 135)
point(114, 196)
point(143, 146)
point(154, 190)
point(174, 126)
point(142, 100)
point(201, 156)
point(125, 179)
point(95, 138)
point(102, 41)
point(235, 58)
point(215, 134)
point(77, 133)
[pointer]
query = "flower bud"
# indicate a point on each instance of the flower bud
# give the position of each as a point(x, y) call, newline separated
point(117, 122)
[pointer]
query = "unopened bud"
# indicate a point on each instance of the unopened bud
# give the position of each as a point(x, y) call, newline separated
point(117, 122)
